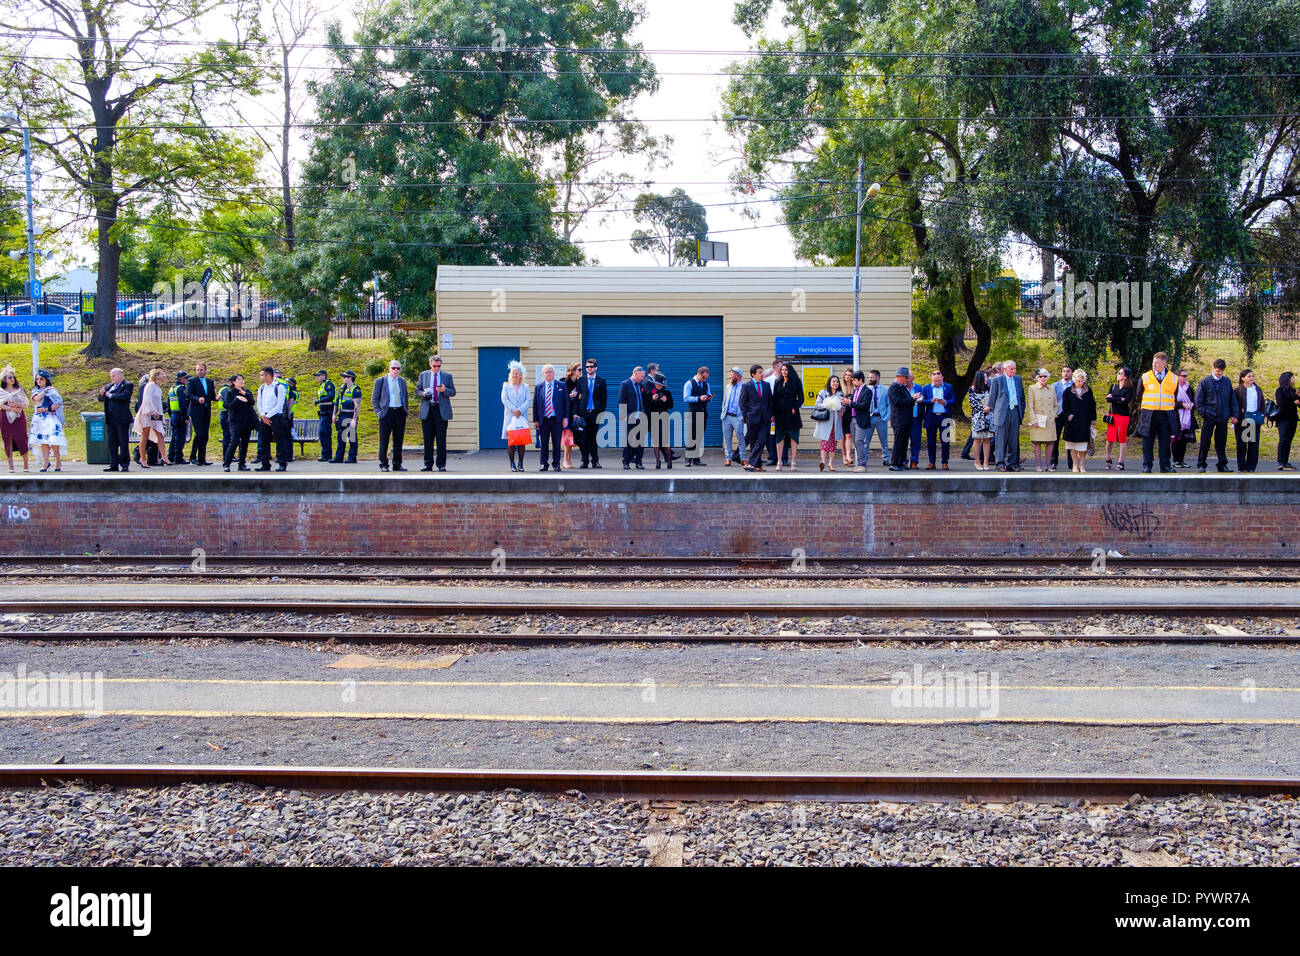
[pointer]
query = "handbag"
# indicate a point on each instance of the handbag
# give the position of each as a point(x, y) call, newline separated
point(820, 414)
point(1271, 410)
point(519, 436)
point(1108, 418)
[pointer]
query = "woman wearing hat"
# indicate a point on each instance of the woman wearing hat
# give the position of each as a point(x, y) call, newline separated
point(149, 419)
point(13, 417)
point(48, 426)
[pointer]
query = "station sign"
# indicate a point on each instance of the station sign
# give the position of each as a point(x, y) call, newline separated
point(40, 324)
point(827, 348)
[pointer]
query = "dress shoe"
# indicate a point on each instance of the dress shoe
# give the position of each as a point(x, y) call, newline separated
point(399, 468)
point(1224, 470)
point(382, 466)
point(915, 466)
point(929, 467)
point(595, 464)
point(427, 468)
point(945, 466)
point(544, 468)
point(282, 467)
point(243, 468)
point(640, 467)
point(263, 468)
point(225, 468)
point(1200, 469)
point(893, 468)
point(583, 466)
point(442, 467)
point(114, 468)
point(626, 466)
point(699, 462)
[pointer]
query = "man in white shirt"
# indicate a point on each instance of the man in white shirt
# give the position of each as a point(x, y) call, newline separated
point(271, 422)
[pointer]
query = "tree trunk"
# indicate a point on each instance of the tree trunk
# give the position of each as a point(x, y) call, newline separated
point(316, 341)
point(284, 155)
point(103, 335)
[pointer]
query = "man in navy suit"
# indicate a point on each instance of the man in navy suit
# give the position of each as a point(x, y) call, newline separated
point(632, 401)
point(756, 412)
point(550, 415)
point(116, 396)
point(592, 397)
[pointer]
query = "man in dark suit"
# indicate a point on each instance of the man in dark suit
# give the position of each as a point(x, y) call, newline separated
point(1216, 400)
point(116, 396)
point(436, 389)
point(550, 415)
point(389, 399)
point(592, 398)
point(202, 393)
point(1007, 412)
point(632, 402)
point(756, 412)
point(901, 404)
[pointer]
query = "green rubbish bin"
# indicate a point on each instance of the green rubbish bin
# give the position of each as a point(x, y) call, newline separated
point(96, 438)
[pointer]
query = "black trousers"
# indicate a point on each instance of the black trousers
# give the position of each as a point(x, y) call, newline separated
point(756, 435)
point(902, 434)
point(1247, 451)
point(225, 434)
point(392, 427)
point(634, 444)
point(434, 427)
point(934, 433)
point(278, 432)
point(1285, 435)
point(587, 439)
point(549, 432)
point(176, 450)
point(695, 437)
point(325, 430)
point(199, 446)
point(1056, 444)
point(1180, 448)
point(341, 434)
point(1158, 441)
point(119, 441)
point(1219, 432)
point(236, 443)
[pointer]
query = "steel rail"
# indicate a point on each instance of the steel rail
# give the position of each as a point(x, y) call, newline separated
point(962, 606)
point(488, 637)
point(656, 785)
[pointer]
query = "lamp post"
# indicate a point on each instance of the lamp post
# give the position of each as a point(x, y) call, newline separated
point(872, 193)
point(7, 120)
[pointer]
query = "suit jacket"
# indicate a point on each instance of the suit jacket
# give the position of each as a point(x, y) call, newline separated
point(1216, 400)
point(444, 400)
point(117, 403)
point(627, 396)
point(379, 395)
point(599, 396)
point(756, 408)
point(862, 407)
point(1000, 412)
point(560, 396)
point(196, 391)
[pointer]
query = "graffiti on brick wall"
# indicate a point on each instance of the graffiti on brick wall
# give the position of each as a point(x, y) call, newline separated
point(16, 514)
point(1137, 520)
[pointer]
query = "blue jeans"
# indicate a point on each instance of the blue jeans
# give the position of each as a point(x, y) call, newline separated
point(733, 425)
point(880, 428)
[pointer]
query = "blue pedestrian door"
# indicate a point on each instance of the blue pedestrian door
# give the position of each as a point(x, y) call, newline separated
point(493, 370)
point(680, 344)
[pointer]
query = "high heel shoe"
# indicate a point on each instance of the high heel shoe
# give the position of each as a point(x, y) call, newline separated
point(1108, 464)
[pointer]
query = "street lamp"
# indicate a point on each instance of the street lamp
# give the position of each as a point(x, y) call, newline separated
point(7, 120)
point(872, 193)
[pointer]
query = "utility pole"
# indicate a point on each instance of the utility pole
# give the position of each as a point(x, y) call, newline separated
point(12, 119)
point(857, 272)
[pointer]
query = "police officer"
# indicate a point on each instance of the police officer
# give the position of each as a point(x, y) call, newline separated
point(345, 418)
point(223, 407)
point(178, 406)
point(325, 413)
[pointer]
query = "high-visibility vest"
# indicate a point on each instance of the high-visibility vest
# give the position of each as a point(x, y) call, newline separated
point(1158, 396)
point(325, 398)
point(174, 398)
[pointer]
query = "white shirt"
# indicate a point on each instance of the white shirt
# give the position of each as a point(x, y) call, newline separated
point(270, 400)
point(1252, 399)
point(394, 391)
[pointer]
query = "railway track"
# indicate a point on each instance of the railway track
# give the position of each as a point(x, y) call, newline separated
point(658, 785)
point(435, 638)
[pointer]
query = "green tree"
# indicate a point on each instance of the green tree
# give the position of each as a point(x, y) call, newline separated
point(1139, 142)
point(676, 224)
point(13, 235)
point(432, 123)
point(806, 119)
point(122, 118)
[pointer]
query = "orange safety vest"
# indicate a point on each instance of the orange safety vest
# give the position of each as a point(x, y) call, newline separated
point(1159, 396)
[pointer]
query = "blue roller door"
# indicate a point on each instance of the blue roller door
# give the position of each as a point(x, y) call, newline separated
point(680, 344)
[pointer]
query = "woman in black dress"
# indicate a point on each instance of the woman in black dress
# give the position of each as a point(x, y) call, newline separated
point(787, 399)
point(1288, 411)
point(660, 402)
point(1080, 410)
point(1120, 400)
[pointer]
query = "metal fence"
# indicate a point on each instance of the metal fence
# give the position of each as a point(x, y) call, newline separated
point(207, 318)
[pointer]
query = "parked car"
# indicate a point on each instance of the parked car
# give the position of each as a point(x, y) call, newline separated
point(42, 308)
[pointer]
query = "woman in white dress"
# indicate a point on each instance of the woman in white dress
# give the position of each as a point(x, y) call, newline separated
point(48, 426)
point(515, 399)
point(829, 432)
point(149, 419)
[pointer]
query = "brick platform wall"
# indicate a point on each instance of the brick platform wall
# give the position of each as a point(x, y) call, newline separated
point(1255, 516)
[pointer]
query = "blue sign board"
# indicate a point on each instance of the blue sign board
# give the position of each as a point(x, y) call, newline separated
point(815, 346)
point(34, 288)
point(40, 324)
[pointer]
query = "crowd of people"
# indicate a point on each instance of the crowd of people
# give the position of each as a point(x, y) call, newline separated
point(761, 416)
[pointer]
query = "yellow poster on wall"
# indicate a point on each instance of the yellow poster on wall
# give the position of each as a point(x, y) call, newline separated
point(814, 380)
